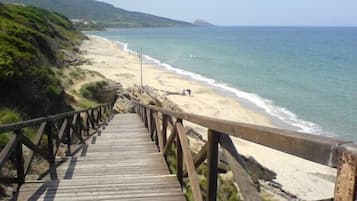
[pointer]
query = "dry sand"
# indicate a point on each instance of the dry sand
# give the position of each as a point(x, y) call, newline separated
point(307, 180)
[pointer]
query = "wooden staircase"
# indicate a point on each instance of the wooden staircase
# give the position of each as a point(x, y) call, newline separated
point(118, 163)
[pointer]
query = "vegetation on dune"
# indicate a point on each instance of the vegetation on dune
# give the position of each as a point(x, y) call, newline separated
point(7, 116)
point(89, 90)
point(32, 42)
point(83, 87)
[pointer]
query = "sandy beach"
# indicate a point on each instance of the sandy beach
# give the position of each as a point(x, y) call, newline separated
point(306, 180)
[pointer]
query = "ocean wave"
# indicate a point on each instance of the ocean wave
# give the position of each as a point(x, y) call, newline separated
point(266, 105)
point(124, 46)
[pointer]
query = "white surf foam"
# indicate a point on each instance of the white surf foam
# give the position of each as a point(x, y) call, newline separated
point(266, 105)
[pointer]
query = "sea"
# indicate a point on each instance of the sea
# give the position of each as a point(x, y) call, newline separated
point(305, 77)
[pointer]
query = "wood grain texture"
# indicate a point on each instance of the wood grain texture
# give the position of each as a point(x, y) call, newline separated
point(212, 164)
point(346, 181)
point(191, 170)
point(121, 164)
point(316, 148)
point(245, 184)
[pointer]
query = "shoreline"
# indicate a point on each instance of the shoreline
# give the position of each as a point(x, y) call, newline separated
point(114, 63)
point(280, 117)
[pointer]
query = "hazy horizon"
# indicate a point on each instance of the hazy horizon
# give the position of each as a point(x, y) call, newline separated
point(321, 13)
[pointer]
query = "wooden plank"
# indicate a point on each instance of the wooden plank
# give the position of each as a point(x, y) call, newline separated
point(164, 130)
point(123, 164)
point(32, 146)
point(246, 186)
point(316, 148)
point(247, 190)
point(61, 132)
point(51, 153)
point(19, 159)
point(212, 164)
point(7, 150)
point(199, 158)
point(83, 187)
point(159, 132)
point(108, 196)
point(346, 181)
point(169, 141)
point(179, 156)
point(34, 122)
point(192, 175)
point(149, 125)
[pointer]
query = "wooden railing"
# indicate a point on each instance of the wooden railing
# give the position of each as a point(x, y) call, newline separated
point(60, 129)
point(324, 150)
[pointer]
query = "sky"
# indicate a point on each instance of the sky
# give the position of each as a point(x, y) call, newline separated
point(251, 12)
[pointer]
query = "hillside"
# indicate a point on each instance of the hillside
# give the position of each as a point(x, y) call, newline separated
point(103, 13)
point(33, 43)
point(202, 23)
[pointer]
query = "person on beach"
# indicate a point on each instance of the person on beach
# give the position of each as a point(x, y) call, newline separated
point(186, 90)
point(189, 92)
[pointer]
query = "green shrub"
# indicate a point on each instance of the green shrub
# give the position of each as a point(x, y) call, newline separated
point(89, 90)
point(7, 116)
point(31, 40)
point(54, 90)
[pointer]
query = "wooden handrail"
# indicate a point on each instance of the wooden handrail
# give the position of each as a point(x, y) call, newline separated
point(327, 151)
point(71, 123)
point(316, 148)
point(34, 122)
point(186, 151)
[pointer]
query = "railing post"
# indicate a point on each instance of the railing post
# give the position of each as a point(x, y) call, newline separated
point(51, 156)
point(152, 124)
point(79, 125)
point(139, 111)
point(68, 133)
point(179, 156)
point(155, 130)
point(87, 122)
point(93, 119)
point(212, 163)
point(142, 113)
point(346, 181)
point(149, 120)
point(99, 119)
point(19, 158)
point(99, 115)
point(164, 130)
point(145, 117)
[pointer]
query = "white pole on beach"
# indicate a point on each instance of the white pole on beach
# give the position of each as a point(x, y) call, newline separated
point(141, 69)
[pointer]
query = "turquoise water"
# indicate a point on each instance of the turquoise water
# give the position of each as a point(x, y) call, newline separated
point(306, 77)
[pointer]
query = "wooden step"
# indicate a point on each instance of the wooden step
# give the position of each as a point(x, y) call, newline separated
point(121, 163)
